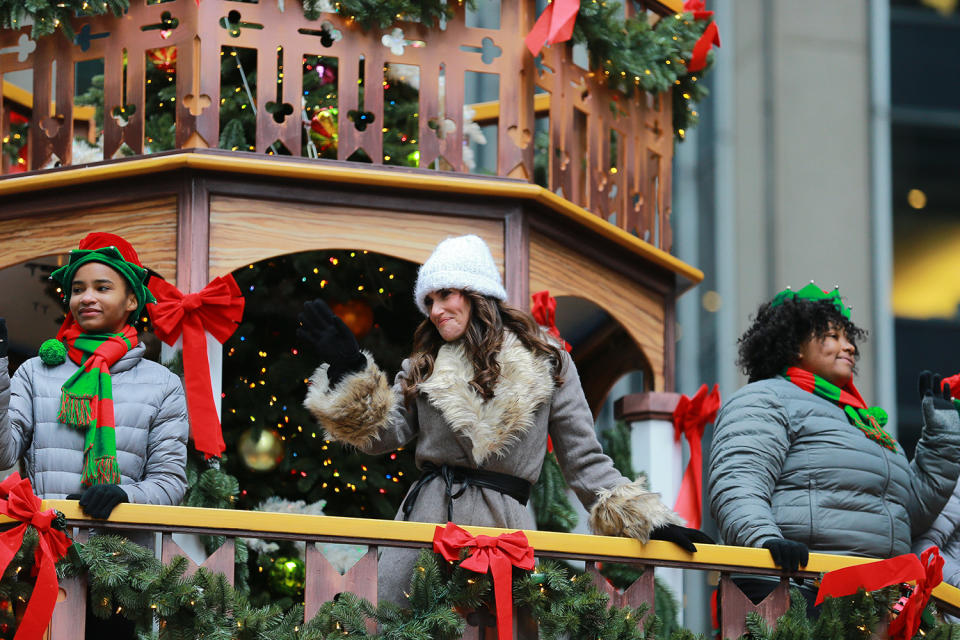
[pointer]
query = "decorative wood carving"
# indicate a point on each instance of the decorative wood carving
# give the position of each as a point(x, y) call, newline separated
point(627, 184)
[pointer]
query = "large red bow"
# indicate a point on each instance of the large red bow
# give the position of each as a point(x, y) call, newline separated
point(709, 37)
point(927, 571)
point(544, 312)
point(218, 308)
point(689, 419)
point(496, 554)
point(554, 25)
point(18, 501)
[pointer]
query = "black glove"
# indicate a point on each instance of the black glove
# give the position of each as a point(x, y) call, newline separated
point(683, 537)
point(787, 554)
point(3, 338)
point(100, 499)
point(331, 339)
point(929, 384)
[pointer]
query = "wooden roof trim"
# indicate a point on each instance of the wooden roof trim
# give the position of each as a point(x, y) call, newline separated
point(338, 173)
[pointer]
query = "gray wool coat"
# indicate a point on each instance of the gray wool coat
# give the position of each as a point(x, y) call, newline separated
point(151, 429)
point(786, 463)
point(507, 434)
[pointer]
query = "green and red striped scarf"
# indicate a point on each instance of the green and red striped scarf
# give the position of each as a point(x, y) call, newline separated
point(870, 420)
point(86, 398)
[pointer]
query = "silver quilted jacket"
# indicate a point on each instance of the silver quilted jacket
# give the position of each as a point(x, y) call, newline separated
point(788, 464)
point(151, 429)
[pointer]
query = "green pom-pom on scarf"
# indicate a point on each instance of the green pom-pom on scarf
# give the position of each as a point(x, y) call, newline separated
point(52, 352)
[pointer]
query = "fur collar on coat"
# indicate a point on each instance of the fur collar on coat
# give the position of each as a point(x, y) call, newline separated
point(526, 382)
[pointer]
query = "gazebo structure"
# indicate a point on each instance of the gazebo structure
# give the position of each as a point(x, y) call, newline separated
point(597, 229)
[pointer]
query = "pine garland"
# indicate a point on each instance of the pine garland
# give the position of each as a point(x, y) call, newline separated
point(47, 15)
point(127, 579)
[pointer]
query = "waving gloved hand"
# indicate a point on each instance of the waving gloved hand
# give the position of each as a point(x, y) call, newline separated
point(683, 537)
point(930, 385)
point(787, 554)
point(331, 339)
point(3, 337)
point(99, 500)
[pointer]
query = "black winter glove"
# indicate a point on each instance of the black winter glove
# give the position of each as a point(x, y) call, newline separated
point(100, 499)
point(3, 337)
point(331, 339)
point(684, 537)
point(787, 554)
point(929, 384)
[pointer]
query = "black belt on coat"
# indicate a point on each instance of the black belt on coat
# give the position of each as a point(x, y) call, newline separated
point(516, 488)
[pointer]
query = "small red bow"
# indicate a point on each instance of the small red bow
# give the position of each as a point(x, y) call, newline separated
point(18, 501)
point(709, 37)
point(544, 312)
point(496, 554)
point(218, 308)
point(690, 417)
point(927, 571)
point(554, 25)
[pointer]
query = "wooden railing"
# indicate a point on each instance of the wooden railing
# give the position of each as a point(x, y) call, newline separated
point(322, 581)
point(614, 162)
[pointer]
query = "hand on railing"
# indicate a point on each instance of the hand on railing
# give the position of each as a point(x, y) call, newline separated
point(683, 537)
point(787, 554)
point(100, 499)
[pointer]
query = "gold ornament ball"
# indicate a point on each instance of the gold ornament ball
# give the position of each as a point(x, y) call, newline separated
point(262, 453)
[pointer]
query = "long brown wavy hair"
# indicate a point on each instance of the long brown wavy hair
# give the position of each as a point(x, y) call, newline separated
point(482, 342)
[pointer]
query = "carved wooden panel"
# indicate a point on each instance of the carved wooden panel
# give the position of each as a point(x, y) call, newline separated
point(735, 606)
point(607, 152)
point(244, 230)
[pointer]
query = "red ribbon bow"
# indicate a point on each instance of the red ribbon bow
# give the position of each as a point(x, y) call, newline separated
point(18, 501)
point(218, 308)
point(927, 571)
point(554, 25)
point(544, 312)
point(709, 37)
point(496, 554)
point(689, 419)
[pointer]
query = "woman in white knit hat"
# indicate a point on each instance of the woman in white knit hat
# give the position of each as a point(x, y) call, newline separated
point(481, 392)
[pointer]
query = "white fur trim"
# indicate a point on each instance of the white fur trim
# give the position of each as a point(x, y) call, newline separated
point(630, 510)
point(357, 409)
point(525, 383)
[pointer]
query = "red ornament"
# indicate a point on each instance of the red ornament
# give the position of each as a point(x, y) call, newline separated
point(357, 315)
point(164, 59)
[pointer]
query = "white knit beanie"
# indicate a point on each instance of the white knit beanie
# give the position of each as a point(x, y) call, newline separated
point(464, 262)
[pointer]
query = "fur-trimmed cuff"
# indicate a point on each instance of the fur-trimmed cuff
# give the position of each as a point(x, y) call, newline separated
point(357, 409)
point(630, 510)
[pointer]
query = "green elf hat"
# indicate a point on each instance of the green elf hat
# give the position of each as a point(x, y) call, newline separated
point(134, 274)
point(814, 293)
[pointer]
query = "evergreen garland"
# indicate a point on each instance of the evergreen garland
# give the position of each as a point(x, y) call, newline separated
point(47, 15)
point(126, 579)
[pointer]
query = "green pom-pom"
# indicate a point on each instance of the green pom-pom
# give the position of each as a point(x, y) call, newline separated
point(53, 352)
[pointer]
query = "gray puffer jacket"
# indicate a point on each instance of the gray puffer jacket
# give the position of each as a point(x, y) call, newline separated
point(945, 533)
point(151, 429)
point(788, 464)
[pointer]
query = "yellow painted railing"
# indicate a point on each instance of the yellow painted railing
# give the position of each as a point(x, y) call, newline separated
point(394, 533)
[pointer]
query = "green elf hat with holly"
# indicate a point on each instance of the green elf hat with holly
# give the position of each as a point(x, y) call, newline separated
point(813, 293)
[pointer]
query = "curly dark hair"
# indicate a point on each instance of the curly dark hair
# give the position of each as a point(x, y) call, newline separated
point(777, 334)
point(482, 340)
